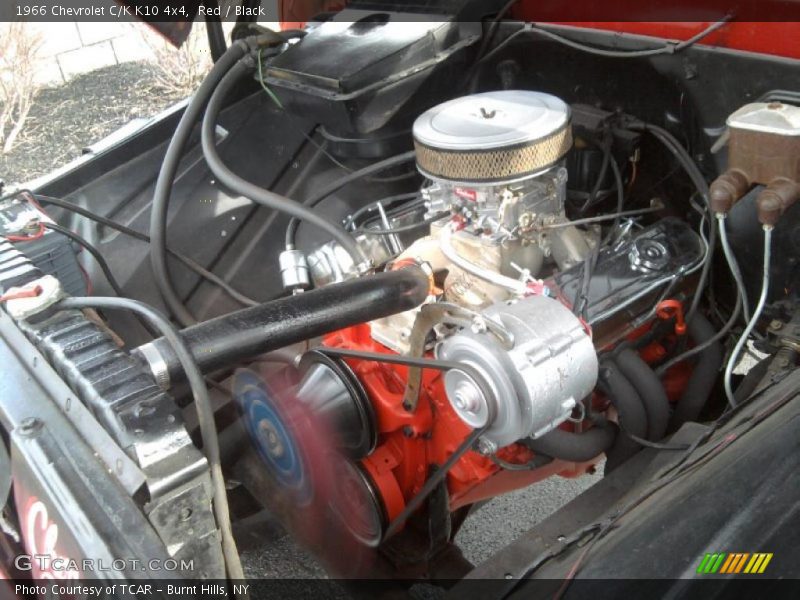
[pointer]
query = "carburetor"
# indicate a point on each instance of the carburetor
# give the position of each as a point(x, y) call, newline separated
point(494, 160)
point(541, 367)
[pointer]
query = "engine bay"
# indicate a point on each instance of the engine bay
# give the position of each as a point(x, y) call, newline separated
point(407, 277)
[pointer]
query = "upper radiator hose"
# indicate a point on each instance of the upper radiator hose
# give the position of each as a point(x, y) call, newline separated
point(229, 339)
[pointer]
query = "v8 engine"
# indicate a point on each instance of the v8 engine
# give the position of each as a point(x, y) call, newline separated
point(494, 265)
point(503, 353)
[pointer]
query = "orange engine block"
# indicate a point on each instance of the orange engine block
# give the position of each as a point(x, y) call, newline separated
point(410, 444)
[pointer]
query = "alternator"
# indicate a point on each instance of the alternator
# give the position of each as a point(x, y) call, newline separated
point(549, 368)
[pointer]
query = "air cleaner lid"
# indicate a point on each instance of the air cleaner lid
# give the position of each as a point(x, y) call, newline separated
point(491, 120)
point(492, 136)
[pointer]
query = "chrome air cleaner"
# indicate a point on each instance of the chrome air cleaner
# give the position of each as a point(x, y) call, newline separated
point(494, 137)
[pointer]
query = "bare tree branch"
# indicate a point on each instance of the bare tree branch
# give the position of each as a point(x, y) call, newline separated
point(180, 71)
point(19, 55)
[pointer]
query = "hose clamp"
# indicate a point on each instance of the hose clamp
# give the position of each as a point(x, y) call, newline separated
point(363, 268)
point(158, 365)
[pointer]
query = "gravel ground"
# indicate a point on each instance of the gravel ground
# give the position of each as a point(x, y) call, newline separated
point(487, 530)
point(66, 119)
point(504, 519)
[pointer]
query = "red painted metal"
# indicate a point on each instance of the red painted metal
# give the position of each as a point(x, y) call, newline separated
point(774, 38)
point(672, 309)
point(411, 443)
point(777, 37)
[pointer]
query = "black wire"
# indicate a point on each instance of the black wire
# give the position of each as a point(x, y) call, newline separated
point(620, 199)
point(392, 178)
point(492, 31)
point(581, 303)
point(695, 175)
point(166, 179)
point(679, 152)
point(311, 202)
point(91, 250)
point(405, 228)
point(654, 445)
point(667, 49)
point(607, 159)
point(713, 340)
point(186, 261)
point(538, 461)
point(109, 275)
point(639, 212)
point(372, 206)
point(205, 411)
point(486, 42)
point(251, 191)
point(619, 184)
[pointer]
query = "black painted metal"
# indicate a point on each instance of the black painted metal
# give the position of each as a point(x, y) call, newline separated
point(650, 390)
point(227, 340)
point(16, 269)
point(377, 74)
point(577, 447)
point(740, 493)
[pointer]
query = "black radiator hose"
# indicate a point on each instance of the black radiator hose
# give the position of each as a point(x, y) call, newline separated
point(632, 415)
point(230, 339)
point(650, 389)
point(704, 376)
point(574, 447)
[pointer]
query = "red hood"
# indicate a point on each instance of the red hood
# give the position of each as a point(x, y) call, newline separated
point(775, 37)
point(658, 18)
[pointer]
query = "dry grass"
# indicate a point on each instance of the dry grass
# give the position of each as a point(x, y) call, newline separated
point(19, 50)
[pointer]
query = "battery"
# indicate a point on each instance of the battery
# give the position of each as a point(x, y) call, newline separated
point(50, 251)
